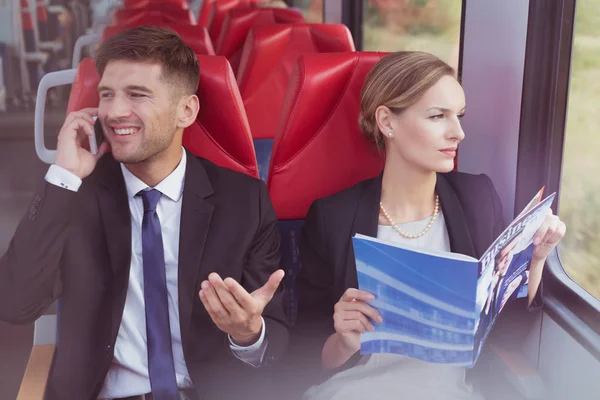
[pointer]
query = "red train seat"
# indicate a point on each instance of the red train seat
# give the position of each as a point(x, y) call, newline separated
point(319, 149)
point(269, 55)
point(205, 10)
point(238, 23)
point(218, 11)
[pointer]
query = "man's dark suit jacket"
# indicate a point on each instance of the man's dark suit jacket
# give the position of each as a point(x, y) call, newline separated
point(77, 246)
point(472, 211)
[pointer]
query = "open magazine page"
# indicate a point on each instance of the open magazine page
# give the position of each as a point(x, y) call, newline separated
point(534, 202)
point(427, 302)
point(505, 266)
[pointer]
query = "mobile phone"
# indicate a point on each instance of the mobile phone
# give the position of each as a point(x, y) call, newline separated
point(97, 138)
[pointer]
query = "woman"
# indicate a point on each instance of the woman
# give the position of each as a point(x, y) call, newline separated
point(411, 107)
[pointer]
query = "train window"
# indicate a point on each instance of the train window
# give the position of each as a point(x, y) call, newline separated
point(312, 9)
point(426, 25)
point(580, 186)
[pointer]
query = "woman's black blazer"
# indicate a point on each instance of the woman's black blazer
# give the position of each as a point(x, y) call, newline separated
point(472, 211)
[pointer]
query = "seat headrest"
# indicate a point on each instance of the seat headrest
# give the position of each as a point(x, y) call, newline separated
point(221, 132)
point(195, 36)
point(319, 148)
point(238, 23)
point(268, 57)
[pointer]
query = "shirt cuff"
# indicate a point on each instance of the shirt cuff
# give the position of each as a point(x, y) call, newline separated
point(59, 176)
point(254, 353)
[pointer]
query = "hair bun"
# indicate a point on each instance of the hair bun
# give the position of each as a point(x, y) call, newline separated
point(369, 128)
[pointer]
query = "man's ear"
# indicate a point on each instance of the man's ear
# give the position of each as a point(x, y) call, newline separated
point(188, 111)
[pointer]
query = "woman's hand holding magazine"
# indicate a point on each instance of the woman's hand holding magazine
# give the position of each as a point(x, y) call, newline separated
point(351, 318)
point(548, 236)
point(545, 240)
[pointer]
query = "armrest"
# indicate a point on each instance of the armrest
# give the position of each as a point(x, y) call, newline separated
point(57, 9)
point(50, 80)
point(34, 381)
point(53, 46)
point(36, 56)
point(80, 43)
point(519, 372)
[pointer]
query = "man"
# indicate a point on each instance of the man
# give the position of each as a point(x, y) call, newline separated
point(166, 265)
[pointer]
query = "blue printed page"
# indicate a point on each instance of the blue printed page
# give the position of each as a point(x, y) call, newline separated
point(505, 267)
point(427, 301)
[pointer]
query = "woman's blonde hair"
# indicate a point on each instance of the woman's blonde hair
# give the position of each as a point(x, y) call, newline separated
point(397, 81)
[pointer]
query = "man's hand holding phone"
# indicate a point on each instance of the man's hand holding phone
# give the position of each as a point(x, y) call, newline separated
point(73, 150)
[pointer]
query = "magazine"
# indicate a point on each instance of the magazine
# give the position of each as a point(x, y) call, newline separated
point(440, 306)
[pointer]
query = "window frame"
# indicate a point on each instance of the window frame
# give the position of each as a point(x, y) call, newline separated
point(353, 18)
point(541, 143)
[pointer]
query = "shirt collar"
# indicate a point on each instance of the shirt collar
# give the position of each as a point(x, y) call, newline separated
point(171, 186)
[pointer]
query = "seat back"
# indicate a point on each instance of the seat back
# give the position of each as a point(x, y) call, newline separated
point(169, 13)
point(195, 36)
point(146, 18)
point(221, 132)
point(219, 10)
point(319, 149)
point(205, 10)
point(267, 61)
point(238, 23)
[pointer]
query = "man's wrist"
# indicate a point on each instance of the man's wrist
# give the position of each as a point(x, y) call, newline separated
point(248, 340)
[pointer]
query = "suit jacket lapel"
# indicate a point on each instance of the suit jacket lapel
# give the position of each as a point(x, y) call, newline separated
point(366, 217)
point(365, 222)
point(456, 223)
point(116, 221)
point(196, 214)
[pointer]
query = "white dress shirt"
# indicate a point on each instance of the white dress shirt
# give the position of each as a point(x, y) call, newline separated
point(128, 375)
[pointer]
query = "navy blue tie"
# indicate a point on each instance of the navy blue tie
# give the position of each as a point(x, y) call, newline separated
point(160, 353)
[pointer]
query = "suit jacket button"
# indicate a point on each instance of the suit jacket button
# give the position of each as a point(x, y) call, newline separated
point(108, 348)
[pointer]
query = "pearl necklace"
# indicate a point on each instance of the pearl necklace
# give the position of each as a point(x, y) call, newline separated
point(436, 210)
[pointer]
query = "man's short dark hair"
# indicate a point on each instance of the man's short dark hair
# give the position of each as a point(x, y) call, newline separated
point(153, 45)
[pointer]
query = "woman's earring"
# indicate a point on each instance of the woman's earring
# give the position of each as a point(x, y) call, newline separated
point(390, 133)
